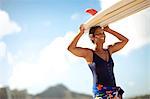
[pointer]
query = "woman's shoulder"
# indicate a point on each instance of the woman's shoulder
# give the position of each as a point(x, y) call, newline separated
point(89, 57)
point(88, 50)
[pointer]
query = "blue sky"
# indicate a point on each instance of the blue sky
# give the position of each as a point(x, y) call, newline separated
point(34, 35)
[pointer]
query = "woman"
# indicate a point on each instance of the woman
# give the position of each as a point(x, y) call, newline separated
point(100, 61)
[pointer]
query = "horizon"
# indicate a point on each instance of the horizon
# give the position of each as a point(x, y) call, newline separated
point(67, 89)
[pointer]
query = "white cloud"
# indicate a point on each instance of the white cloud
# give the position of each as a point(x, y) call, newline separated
point(50, 68)
point(107, 3)
point(54, 55)
point(7, 26)
point(10, 58)
point(3, 50)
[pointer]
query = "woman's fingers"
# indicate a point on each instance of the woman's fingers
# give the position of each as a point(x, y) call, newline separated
point(82, 28)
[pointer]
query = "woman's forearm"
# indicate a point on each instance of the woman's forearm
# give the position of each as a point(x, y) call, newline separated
point(116, 34)
point(73, 44)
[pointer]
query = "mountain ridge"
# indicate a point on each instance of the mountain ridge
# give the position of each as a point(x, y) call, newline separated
point(61, 92)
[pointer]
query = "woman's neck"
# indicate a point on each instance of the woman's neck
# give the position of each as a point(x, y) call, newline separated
point(99, 48)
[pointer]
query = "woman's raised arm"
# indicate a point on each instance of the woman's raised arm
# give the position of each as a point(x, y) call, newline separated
point(78, 51)
point(118, 45)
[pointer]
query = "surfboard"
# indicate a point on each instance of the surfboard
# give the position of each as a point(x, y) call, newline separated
point(120, 10)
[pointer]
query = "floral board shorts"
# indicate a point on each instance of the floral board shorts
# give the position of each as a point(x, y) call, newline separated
point(103, 92)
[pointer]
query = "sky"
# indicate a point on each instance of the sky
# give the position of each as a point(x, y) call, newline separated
point(34, 35)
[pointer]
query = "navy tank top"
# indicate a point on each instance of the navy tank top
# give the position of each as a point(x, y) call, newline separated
point(102, 70)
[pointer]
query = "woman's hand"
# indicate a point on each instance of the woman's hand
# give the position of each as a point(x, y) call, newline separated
point(106, 28)
point(82, 29)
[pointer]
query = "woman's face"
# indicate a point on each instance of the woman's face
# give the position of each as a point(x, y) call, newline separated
point(99, 36)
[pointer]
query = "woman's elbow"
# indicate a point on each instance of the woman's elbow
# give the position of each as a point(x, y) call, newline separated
point(126, 40)
point(70, 48)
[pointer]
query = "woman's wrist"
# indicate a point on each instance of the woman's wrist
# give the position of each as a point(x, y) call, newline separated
point(81, 32)
point(106, 29)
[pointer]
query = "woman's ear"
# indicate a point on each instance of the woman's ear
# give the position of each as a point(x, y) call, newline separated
point(91, 37)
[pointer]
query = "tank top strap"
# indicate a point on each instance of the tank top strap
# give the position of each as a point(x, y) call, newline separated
point(108, 52)
point(93, 52)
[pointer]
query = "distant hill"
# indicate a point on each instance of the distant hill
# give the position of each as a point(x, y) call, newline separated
point(61, 92)
point(142, 97)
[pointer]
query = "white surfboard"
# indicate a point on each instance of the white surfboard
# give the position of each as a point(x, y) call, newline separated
point(116, 12)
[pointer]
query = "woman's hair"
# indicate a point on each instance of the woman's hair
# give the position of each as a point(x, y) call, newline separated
point(92, 31)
